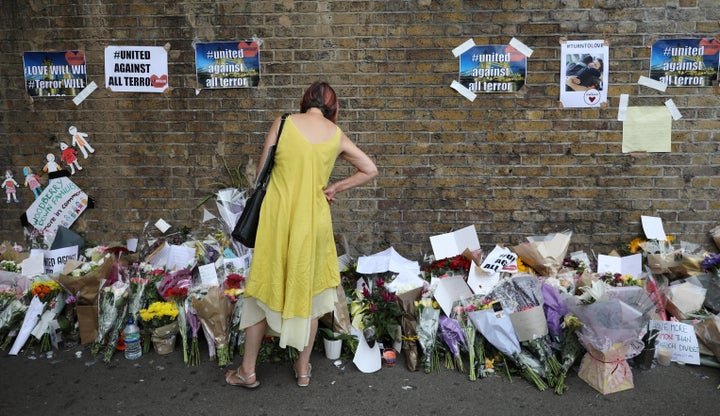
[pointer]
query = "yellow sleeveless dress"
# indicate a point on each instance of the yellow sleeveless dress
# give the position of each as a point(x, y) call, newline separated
point(294, 270)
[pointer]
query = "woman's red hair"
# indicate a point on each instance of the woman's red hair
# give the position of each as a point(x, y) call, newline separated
point(320, 95)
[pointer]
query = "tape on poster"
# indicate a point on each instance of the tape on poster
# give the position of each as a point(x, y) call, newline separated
point(651, 83)
point(462, 90)
point(463, 48)
point(521, 47)
point(92, 86)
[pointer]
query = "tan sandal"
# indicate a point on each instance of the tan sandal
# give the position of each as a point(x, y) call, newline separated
point(304, 376)
point(243, 381)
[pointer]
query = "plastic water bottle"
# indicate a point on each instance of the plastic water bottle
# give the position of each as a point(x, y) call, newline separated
point(133, 349)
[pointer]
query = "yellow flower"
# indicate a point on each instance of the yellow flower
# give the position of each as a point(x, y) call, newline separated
point(572, 321)
point(634, 245)
point(159, 313)
point(522, 268)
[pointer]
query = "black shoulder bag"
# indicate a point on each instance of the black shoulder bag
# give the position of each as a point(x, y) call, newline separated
point(246, 228)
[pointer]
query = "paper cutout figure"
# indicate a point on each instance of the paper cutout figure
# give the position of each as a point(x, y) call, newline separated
point(51, 165)
point(33, 181)
point(79, 139)
point(69, 156)
point(10, 186)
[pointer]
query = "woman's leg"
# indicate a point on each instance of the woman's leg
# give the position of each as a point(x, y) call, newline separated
point(253, 338)
point(302, 365)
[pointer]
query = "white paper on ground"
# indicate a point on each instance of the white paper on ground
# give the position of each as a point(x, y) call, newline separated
point(367, 360)
point(32, 315)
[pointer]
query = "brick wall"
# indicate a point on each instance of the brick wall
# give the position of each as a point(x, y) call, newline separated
point(512, 164)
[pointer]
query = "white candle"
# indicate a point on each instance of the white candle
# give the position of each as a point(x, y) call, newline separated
point(664, 356)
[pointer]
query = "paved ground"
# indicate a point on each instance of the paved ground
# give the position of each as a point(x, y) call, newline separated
point(72, 382)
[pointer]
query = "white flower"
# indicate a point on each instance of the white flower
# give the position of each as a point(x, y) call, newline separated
point(595, 292)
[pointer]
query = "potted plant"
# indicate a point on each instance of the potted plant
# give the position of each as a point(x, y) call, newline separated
point(333, 343)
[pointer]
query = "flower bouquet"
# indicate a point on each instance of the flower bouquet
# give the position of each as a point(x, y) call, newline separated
point(85, 288)
point(474, 340)
point(174, 288)
point(12, 313)
point(451, 333)
point(234, 285)
point(409, 323)
point(214, 310)
point(458, 264)
point(381, 318)
point(111, 317)
point(545, 254)
point(523, 296)
point(570, 351)
point(428, 322)
point(51, 294)
point(612, 321)
point(161, 318)
point(497, 328)
point(194, 324)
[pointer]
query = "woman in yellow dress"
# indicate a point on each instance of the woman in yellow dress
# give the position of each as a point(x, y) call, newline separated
point(294, 271)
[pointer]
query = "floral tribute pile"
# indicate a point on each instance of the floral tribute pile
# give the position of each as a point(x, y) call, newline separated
point(538, 316)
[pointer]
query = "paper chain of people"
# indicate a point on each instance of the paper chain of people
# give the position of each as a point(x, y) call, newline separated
point(68, 155)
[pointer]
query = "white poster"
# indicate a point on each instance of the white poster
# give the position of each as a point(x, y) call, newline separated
point(584, 73)
point(136, 68)
point(55, 260)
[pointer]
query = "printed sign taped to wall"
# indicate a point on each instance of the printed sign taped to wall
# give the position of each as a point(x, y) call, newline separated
point(54, 74)
point(685, 62)
point(220, 65)
point(493, 69)
point(584, 73)
point(136, 69)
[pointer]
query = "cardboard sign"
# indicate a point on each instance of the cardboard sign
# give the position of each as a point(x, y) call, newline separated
point(60, 204)
point(680, 339)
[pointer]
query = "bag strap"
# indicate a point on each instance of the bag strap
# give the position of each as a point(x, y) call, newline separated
point(264, 175)
point(282, 123)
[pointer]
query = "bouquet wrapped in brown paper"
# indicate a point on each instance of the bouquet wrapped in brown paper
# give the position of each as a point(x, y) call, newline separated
point(408, 323)
point(544, 254)
point(85, 288)
point(214, 310)
point(339, 319)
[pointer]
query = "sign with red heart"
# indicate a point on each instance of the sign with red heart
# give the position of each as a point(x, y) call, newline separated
point(220, 65)
point(75, 57)
point(136, 69)
point(159, 82)
point(584, 73)
point(52, 74)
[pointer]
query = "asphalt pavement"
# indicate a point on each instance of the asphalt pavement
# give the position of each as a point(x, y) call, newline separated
point(73, 382)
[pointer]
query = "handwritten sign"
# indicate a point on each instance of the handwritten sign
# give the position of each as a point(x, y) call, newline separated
point(53, 74)
point(136, 68)
point(60, 204)
point(680, 339)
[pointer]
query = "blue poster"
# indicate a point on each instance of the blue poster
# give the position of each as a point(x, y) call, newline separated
point(685, 62)
point(493, 68)
point(220, 65)
point(54, 74)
